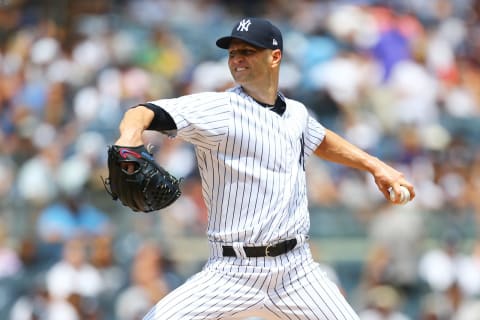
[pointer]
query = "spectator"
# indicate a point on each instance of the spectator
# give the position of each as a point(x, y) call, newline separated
point(33, 304)
point(73, 274)
point(447, 267)
point(399, 232)
point(383, 304)
point(113, 275)
point(71, 216)
point(10, 263)
point(148, 284)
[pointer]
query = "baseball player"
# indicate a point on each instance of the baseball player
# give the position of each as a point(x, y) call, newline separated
point(251, 143)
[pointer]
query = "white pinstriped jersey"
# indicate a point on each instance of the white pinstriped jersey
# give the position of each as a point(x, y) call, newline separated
point(251, 162)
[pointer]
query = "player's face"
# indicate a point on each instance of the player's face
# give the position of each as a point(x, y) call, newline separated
point(248, 63)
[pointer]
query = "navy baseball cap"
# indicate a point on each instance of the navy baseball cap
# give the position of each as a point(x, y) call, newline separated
point(255, 31)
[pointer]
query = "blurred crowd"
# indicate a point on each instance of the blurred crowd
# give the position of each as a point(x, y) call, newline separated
point(400, 79)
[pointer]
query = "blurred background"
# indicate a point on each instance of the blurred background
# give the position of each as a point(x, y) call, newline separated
point(401, 79)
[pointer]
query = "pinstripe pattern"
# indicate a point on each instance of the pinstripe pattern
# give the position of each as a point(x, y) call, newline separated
point(290, 286)
point(253, 184)
point(251, 162)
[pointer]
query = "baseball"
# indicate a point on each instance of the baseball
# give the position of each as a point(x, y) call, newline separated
point(404, 197)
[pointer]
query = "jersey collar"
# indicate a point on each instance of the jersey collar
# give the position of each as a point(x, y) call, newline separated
point(279, 106)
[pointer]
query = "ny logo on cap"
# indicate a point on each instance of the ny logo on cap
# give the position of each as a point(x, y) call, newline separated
point(243, 25)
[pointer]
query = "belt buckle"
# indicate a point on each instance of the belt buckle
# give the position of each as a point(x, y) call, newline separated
point(267, 253)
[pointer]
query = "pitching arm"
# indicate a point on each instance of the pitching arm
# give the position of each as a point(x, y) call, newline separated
point(336, 149)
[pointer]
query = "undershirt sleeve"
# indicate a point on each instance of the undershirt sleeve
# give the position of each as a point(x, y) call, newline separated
point(162, 121)
point(202, 119)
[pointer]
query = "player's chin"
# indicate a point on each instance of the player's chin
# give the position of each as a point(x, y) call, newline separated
point(240, 77)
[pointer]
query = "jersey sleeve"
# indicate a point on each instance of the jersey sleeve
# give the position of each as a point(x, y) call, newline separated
point(314, 134)
point(201, 119)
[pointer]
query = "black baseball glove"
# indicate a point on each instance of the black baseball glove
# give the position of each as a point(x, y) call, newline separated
point(138, 181)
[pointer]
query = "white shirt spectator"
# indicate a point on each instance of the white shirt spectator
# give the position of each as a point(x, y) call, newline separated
point(73, 274)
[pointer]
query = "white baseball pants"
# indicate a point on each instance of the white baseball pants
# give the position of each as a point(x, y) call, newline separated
point(290, 286)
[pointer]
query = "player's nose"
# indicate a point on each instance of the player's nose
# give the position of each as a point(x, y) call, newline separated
point(236, 58)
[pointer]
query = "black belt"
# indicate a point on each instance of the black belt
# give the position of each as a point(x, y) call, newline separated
point(272, 250)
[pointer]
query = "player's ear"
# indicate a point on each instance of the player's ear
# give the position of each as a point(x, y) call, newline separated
point(276, 56)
